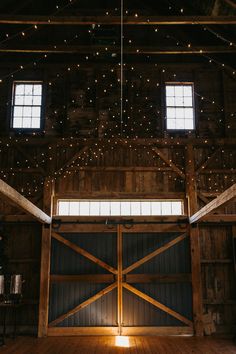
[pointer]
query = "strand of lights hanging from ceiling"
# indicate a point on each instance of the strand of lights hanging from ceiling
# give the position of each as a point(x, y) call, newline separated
point(23, 32)
point(121, 63)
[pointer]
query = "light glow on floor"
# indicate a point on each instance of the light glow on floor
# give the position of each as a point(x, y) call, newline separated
point(122, 341)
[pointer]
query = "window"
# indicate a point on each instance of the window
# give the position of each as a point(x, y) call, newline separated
point(119, 207)
point(27, 105)
point(179, 106)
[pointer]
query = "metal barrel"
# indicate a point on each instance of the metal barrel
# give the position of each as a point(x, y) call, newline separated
point(2, 284)
point(16, 284)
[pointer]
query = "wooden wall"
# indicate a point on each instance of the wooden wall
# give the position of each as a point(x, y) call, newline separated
point(83, 103)
point(83, 100)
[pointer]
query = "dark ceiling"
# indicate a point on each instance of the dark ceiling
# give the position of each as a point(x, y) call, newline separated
point(137, 37)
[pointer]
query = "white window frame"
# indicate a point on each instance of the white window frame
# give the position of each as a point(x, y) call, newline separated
point(14, 105)
point(114, 207)
point(180, 106)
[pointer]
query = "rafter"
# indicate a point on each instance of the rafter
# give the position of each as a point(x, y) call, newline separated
point(17, 199)
point(231, 3)
point(115, 20)
point(72, 49)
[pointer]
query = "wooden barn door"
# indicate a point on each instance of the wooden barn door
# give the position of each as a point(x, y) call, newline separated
point(83, 295)
point(156, 271)
point(120, 279)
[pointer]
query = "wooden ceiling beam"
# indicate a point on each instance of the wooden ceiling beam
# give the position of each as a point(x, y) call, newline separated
point(219, 218)
point(115, 20)
point(225, 197)
point(230, 3)
point(17, 199)
point(160, 142)
point(92, 49)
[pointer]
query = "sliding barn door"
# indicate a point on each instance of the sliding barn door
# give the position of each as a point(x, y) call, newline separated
point(157, 290)
point(115, 279)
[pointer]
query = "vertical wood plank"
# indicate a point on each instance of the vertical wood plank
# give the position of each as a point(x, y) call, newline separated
point(119, 280)
point(45, 263)
point(191, 192)
point(234, 247)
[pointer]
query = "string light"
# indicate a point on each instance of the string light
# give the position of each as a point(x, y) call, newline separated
point(93, 154)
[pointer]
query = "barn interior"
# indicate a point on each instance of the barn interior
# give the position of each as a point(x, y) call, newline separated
point(117, 176)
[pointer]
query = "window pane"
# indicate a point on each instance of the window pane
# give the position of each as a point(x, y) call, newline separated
point(27, 105)
point(170, 112)
point(171, 124)
point(19, 89)
point(188, 113)
point(19, 100)
point(179, 90)
point(170, 90)
point(26, 122)
point(28, 100)
point(156, 208)
point(73, 208)
point(125, 208)
point(37, 100)
point(170, 101)
point(180, 123)
point(188, 90)
point(28, 90)
point(145, 208)
point(188, 124)
point(27, 112)
point(94, 208)
point(119, 208)
point(84, 208)
point(179, 101)
point(17, 123)
point(188, 101)
point(115, 208)
point(36, 123)
point(36, 111)
point(135, 208)
point(105, 208)
point(18, 111)
point(176, 208)
point(63, 208)
point(166, 208)
point(179, 113)
point(38, 90)
point(179, 107)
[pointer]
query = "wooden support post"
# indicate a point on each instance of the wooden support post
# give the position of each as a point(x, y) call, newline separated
point(45, 263)
point(191, 192)
point(119, 281)
point(234, 248)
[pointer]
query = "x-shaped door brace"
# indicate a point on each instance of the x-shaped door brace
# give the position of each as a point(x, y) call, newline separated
point(119, 273)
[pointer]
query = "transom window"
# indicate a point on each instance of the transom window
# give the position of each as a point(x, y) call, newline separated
point(27, 105)
point(179, 106)
point(119, 207)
